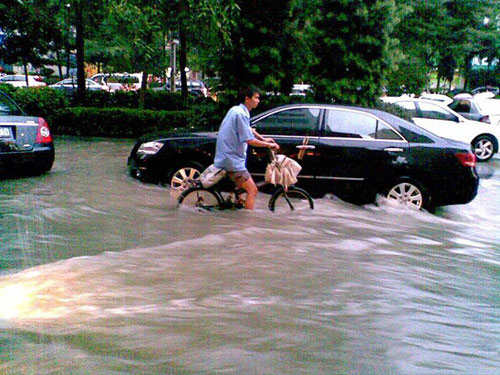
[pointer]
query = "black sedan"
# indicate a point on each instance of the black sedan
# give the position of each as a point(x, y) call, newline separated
point(26, 145)
point(352, 152)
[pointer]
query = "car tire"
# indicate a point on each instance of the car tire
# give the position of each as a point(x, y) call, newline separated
point(408, 192)
point(484, 147)
point(179, 176)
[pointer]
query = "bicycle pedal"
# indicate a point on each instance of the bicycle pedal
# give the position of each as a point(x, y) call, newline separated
point(239, 205)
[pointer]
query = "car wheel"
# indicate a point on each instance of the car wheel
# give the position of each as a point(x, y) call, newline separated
point(483, 147)
point(181, 176)
point(408, 193)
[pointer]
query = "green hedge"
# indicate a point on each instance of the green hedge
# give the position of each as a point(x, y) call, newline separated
point(37, 101)
point(116, 114)
point(156, 100)
point(116, 122)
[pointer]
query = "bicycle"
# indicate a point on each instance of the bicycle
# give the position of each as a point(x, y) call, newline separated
point(219, 197)
point(224, 195)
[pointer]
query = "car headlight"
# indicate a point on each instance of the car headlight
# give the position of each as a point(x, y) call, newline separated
point(149, 148)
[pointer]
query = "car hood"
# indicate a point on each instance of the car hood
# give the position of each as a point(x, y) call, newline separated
point(195, 135)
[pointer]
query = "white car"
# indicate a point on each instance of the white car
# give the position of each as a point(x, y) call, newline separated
point(392, 99)
point(444, 122)
point(437, 97)
point(19, 80)
point(480, 107)
point(70, 85)
point(119, 81)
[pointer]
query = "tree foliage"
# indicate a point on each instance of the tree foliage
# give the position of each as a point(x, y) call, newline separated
point(444, 35)
point(261, 47)
point(348, 49)
point(28, 29)
point(355, 49)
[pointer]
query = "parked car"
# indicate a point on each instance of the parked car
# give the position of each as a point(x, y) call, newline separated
point(111, 81)
point(19, 80)
point(443, 121)
point(26, 144)
point(495, 90)
point(70, 85)
point(119, 81)
point(477, 108)
point(438, 97)
point(392, 99)
point(353, 152)
point(195, 87)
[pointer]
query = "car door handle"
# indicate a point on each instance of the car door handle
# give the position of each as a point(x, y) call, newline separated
point(393, 149)
point(306, 147)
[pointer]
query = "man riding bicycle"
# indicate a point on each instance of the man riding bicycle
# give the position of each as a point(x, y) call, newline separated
point(235, 134)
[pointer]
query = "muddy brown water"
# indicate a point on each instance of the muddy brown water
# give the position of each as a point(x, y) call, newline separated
point(100, 274)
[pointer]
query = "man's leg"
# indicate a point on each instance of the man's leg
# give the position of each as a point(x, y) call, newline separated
point(243, 180)
point(251, 189)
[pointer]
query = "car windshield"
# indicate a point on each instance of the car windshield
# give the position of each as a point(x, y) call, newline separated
point(8, 107)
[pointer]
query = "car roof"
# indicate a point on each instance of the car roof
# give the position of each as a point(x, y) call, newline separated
point(421, 100)
point(391, 119)
point(319, 105)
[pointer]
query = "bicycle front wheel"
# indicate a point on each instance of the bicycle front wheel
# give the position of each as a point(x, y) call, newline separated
point(295, 199)
point(201, 198)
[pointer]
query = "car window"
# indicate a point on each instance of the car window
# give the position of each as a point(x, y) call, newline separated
point(7, 107)
point(434, 112)
point(349, 124)
point(385, 132)
point(409, 106)
point(461, 106)
point(297, 121)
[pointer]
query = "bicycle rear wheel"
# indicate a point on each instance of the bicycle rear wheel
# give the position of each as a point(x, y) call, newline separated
point(295, 199)
point(199, 197)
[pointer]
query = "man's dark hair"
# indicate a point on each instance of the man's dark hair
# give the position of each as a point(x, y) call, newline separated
point(247, 92)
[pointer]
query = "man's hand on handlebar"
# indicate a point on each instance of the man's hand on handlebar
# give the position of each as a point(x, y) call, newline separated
point(274, 145)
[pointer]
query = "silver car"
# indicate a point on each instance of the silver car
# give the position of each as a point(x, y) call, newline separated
point(26, 145)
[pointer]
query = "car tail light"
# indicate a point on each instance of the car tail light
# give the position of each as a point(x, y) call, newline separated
point(467, 159)
point(43, 133)
point(485, 119)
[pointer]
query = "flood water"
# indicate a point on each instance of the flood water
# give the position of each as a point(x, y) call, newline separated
point(100, 274)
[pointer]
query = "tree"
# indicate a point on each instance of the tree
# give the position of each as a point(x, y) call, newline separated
point(446, 35)
point(261, 47)
point(27, 29)
point(355, 49)
point(137, 38)
point(203, 28)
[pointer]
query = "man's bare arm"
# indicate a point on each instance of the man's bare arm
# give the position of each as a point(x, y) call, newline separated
point(258, 143)
point(261, 138)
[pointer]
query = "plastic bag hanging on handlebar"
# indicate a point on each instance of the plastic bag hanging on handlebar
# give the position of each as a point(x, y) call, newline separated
point(282, 170)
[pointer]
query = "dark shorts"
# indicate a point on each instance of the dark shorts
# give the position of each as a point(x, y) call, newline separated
point(239, 177)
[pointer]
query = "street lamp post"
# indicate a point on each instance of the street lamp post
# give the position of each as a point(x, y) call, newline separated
point(173, 47)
